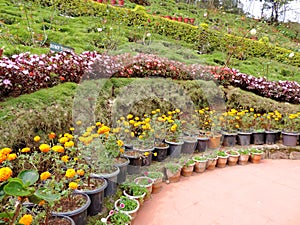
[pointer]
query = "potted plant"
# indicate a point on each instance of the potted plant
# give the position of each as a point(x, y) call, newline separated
point(255, 155)
point(258, 133)
point(244, 156)
point(187, 167)
point(272, 124)
point(222, 159)
point(174, 132)
point(211, 161)
point(291, 129)
point(157, 178)
point(173, 172)
point(229, 124)
point(200, 163)
point(127, 205)
point(146, 182)
point(245, 124)
point(133, 190)
point(189, 145)
point(117, 218)
point(233, 157)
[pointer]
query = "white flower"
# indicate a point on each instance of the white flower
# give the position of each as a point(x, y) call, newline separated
point(148, 34)
point(111, 28)
point(103, 220)
point(99, 29)
point(291, 55)
point(205, 14)
point(253, 31)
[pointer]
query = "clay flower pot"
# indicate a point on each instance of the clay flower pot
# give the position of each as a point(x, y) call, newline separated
point(187, 170)
point(256, 156)
point(211, 162)
point(222, 159)
point(200, 164)
point(244, 157)
point(157, 181)
point(233, 157)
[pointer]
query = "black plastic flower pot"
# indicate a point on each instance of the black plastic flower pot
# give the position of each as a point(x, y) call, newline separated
point(189, 146)
point(96, 197)
point(135, 162)
point(244, 138)
point(289, 138)
point(258, 138)
point(121, 178)
point(111, 178)
point(202, 144)
point(146, 155)
point(229, 139)
point(78, 215)
point(174, 149)
point(270, 137)
point(160, 153)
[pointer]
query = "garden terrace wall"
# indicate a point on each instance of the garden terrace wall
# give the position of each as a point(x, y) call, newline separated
point(50, 110)
point(195, 35)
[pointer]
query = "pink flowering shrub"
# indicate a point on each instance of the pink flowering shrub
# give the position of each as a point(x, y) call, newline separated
point(26, 73)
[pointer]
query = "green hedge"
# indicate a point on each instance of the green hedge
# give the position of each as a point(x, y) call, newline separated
point(199, 37)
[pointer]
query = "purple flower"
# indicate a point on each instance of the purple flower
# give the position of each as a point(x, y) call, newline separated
point(122, 205)
point(6, 82)
point(111, 212)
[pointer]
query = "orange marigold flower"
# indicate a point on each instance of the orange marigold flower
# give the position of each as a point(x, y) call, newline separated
point(103, 130)
point(5, 173)
point(24, 150)
point(44, 148)
point(58, 148)
point(37, 138)
point(3, 157)
point(11, 157)
point(73, 185)
point(45, 175)
point(80, 172)
point(122, 150)
point(70, 173)
point(65, 158)
point(52, 135)
point(26, 219)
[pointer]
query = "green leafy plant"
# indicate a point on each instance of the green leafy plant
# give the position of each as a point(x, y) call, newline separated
point(118, 218)
point(244, 152)
point(173, 167)
point(200, 158)
point(134, 189)
point(127, 204)
point(255, 151)
point(222, 153)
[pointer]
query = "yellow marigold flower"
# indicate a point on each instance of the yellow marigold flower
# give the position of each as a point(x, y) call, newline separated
point(45, 175)
point(75, 159)
point(80, 172)
point(65, 158)
point(137, 118)
point(276, 119)
point(160, 119)
point(147, 120)
point(37, 138)
point(169, 113)
point(126, 131)
point(177, 110)
point(5, 173)
point(122, 118)
point(237, 126)
point(44, 148)
point(6, 151)
point(141, 137)
point(125, 123)
point(70, 173)
point(155, 153)
point(132, 134)
point(129, 116)
point(51, 135)
point(69, 144)
point(201, 111)
point(70, 136)
point(72, 128)
point(103, 130)
point(120, 143)
point(58, 148)
point(78, 122)
point(63, 140)
point(11, 157)
point(73, 185)
point(98, 124)
point(153, 112)
point(157, 110)
point(26, 219)
point(131, 121)
point(146, 153)
point(251, 110)
point(173, 128)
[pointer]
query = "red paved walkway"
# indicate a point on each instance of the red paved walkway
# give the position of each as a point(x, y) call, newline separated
point(256, 194)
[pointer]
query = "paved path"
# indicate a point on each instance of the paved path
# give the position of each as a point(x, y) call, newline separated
point(256, 194)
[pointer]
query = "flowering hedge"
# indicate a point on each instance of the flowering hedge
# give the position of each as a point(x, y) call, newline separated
point(25, 73)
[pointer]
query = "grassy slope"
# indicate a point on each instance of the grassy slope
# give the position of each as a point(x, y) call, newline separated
point(81, 33)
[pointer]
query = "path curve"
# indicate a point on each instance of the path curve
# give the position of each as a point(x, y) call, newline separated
point(256, 194)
